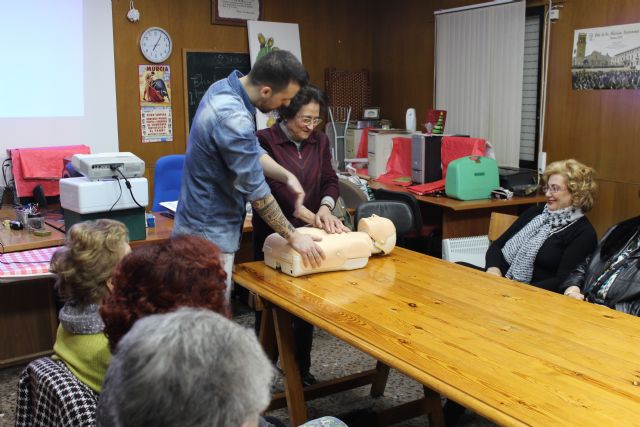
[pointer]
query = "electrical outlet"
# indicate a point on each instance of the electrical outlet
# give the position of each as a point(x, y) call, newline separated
point(554, 14)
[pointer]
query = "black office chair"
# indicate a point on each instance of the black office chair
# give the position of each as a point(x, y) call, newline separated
point(424, 238)
point(398, 212)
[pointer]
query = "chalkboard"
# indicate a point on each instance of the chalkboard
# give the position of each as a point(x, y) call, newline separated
point(202, 69)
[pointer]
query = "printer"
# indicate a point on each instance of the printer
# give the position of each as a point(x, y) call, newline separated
point(472, 178)
point(108, 165)
point(112, 187)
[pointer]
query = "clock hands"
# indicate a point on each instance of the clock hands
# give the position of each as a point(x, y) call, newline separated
point(156, 45)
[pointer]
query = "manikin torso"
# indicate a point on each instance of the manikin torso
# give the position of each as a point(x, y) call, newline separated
point(345, 251)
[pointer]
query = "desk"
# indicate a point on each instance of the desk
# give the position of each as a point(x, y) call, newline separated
point(23, 240)
point(462, 218)
point(28, 312)
point(515, 354)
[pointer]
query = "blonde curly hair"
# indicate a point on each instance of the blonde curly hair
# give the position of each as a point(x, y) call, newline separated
point(85, 264)
point(580, 180)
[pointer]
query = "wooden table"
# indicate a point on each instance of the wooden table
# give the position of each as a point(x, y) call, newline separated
point(28, 312)
point(463, 218)
point(513, 353)
point(23, 240)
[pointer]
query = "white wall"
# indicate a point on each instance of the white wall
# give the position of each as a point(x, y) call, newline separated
point(79, 113)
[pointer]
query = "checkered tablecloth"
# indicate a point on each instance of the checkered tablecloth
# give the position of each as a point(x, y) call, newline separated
point(37, 262)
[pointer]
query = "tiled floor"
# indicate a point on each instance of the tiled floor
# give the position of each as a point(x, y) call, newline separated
point(330, 358)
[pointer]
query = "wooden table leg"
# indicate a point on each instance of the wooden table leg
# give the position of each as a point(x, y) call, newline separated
point(380, 381)
point(267, 334)
point(434, 407)
point(292, 382)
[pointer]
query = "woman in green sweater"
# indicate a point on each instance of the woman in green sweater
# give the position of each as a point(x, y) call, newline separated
point(83, 268)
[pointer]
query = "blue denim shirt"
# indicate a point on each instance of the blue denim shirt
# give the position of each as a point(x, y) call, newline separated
point(222, 170)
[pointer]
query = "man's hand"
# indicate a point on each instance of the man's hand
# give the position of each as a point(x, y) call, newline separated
point(312, 254)
point(329, 223)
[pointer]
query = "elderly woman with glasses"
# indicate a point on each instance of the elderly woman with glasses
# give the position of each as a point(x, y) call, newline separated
point(547, 242)
point(296, 143)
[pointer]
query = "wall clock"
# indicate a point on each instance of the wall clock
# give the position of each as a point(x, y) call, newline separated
point(155, 44)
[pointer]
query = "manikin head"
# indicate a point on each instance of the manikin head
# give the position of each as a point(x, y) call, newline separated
point(382, 233)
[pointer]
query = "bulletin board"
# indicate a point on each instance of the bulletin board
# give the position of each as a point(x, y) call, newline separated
point(201, 69)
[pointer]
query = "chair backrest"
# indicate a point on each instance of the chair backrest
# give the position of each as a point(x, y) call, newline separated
point(398, 212)
point(167, 180)
point(352, 195)
point(499, 223)
point(409, 199)
point(49, 394)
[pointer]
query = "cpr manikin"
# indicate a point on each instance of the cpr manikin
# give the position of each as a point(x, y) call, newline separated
point(345, 251)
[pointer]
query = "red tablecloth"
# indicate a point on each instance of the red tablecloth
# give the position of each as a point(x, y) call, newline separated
point(26, 263)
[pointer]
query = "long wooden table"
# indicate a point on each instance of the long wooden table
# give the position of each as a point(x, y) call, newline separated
point(462, 218)
point(28, 312)
point(513, 353)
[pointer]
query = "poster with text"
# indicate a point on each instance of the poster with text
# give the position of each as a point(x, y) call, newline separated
point(156, 124)
point(154, 83)
point(265, 37)
point(606, 57)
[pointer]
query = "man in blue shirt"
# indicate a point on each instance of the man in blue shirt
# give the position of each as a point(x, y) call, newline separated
point(225, 166)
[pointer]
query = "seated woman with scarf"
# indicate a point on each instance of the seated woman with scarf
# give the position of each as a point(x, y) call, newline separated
point(611, 274)
point(547, 242)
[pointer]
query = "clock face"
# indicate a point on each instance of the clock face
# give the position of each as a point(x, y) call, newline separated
point(155, 44)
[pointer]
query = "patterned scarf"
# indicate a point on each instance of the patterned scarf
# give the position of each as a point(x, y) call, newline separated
point(81, 320)
point(521, 250)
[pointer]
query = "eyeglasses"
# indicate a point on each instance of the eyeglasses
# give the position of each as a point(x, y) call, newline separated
point(553, 189)
point(306, 120)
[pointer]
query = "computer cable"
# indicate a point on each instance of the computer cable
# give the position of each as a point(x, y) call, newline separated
point(128, 184)
point(119, 196)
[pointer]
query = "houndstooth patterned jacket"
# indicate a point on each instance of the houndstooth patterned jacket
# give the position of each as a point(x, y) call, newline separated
point(50, 395)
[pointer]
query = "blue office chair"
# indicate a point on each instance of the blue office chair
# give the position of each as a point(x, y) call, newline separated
point(167, 180)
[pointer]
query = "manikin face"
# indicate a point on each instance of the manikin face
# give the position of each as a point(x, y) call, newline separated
point(270, 101)
point(557, 193)
point(305, 121)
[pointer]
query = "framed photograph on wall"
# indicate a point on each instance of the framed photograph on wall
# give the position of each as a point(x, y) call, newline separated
point(235, 12)
point(371, 113)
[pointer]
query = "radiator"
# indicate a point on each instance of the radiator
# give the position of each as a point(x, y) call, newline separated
point(466, 249)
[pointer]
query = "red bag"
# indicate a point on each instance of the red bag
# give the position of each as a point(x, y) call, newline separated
point(399, 163)
point(454, 147)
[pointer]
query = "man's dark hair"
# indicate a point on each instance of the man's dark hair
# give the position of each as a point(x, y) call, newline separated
point(305, 95)
point(277, 69)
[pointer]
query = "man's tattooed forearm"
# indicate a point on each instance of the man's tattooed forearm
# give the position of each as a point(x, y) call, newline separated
point(271, 213)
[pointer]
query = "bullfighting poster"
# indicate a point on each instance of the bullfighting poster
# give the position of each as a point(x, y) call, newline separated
point(154, 84)
point(606, 57)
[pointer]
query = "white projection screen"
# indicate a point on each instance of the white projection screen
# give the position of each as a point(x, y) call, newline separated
point(58, 77)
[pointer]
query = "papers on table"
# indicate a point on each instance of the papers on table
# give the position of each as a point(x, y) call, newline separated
point(172, 206)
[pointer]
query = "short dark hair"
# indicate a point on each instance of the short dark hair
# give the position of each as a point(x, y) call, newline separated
point(277, 69)
point(305, 95)
point(184, 271)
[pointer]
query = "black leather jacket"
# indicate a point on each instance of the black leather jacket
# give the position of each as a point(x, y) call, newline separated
point(624, 293)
